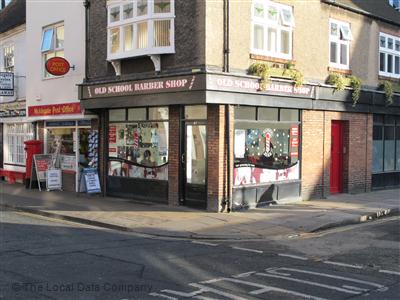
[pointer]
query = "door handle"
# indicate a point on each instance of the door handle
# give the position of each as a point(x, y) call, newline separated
point(183, 158)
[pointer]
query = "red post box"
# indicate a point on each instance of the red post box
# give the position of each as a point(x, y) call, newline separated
point(32, 147)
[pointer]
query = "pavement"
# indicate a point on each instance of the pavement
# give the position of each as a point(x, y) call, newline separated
point(154, 219)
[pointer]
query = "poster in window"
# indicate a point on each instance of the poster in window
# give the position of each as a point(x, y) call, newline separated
point(240, 143)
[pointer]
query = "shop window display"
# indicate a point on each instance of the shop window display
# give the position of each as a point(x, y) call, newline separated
point(139, 149)
point(266, 151)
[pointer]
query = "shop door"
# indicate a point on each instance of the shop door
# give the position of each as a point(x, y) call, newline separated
point(336, 176)
point(194, 165)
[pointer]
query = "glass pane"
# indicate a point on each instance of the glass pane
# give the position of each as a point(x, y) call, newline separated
point(196, 112)
point(397, 65)
point(389, 145)
point(162, 6)
point(272, 14)
point(289, 115)
point(128, 11)
point(397, 47)
point(398, 152)
point(390, 63)
point(47, 41)
point(382, 41)
point(390, 119)
point(60, 37)
point(382, 62)
point(272, 37)
point(116, 115)
point(196, 154)
point(333, 52)
point(258, 37)
point(137, 114)
point(390, 43)
point(158, 113)
point(114, 40)
point(285, 41)
point(378, 118)
point(128, 38)
point(377, 156)
point(245, 113)
point(267, 113)
point(343, 54)
point(334, 29)
point(142, 7)
point(114, 14)
point(142, 36)
point(162, 33)
point(287, 17)
point(345, 32)
point(259, 10)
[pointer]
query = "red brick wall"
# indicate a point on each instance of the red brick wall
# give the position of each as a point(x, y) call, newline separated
point(174, 155)
point(316, 147)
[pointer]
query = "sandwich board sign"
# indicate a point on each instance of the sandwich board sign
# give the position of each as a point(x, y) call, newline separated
point(40, 165)
point(54, 180)
point(89, 181)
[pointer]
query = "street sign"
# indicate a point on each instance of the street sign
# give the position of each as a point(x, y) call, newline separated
point(6, 84)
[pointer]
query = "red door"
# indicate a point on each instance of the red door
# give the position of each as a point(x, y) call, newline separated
point(336, 157)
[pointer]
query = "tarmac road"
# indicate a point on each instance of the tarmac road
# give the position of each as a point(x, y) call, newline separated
point(41, 258)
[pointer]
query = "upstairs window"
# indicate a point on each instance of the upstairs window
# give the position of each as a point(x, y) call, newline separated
point(272, 29)
point(140, 27)
point(339, 44)
point(389, 55)
point(8, 55)
point(52, 44)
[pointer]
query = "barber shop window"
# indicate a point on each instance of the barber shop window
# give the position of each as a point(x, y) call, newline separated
point(386, 144)
point(138, 143)
point(266, 144)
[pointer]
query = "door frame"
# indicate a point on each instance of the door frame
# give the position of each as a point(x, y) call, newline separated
point(183, 155)
point(340, 189)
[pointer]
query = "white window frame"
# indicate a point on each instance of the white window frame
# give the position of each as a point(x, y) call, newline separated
point(341, 39)
point(7, 50)
point(386, 51)
point(150, 18)
point(53, 47)
point(14, 136)
point(279, 25)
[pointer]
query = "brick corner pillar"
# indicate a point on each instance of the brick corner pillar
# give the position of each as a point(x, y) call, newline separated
point(216, 157)
point(173, 156)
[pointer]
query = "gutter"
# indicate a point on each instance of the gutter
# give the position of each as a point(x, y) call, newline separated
point(87, 6)
point(360, 11)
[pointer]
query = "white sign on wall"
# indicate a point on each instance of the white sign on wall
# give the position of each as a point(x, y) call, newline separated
point(6, 84)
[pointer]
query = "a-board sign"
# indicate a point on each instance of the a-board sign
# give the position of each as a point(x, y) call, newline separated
point(89, 181)
point(40, 165)
point(54, 179)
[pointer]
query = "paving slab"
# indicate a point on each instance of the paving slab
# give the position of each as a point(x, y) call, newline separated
point(178, 221)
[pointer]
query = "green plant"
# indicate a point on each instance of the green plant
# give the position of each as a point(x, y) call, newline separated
point(355, 84)
point(297, 77)
point(262, 70)
point(337, 80)
point(388, 89)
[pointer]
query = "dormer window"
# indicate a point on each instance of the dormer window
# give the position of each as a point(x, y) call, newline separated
point(272, 29)
point(140, 27)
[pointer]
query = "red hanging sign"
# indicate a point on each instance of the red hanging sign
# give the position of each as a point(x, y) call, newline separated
point(57, 66)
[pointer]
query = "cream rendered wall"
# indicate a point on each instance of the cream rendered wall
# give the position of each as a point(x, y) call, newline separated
point(62, 89)
point(16, 37)
point(310, 38)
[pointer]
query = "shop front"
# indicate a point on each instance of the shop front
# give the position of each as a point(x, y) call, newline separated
point(70, 136)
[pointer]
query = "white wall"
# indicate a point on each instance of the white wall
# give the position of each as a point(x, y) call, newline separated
point(15, 37)
point(62, 89)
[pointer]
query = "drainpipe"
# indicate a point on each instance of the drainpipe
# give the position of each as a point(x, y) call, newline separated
point(87, 6)
point(226, 36)
point(228, 200)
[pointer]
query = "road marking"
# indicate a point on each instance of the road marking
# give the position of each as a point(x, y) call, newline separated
point(293, 256)
point(389, 272)
point(242, 275)
point(215, 291)
point(342, 264)
point(204, 243)
point(330, 287)
point(263, 288)
point(350, 287)
point(247, 249)
point(332, 276)
point(162, 296)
